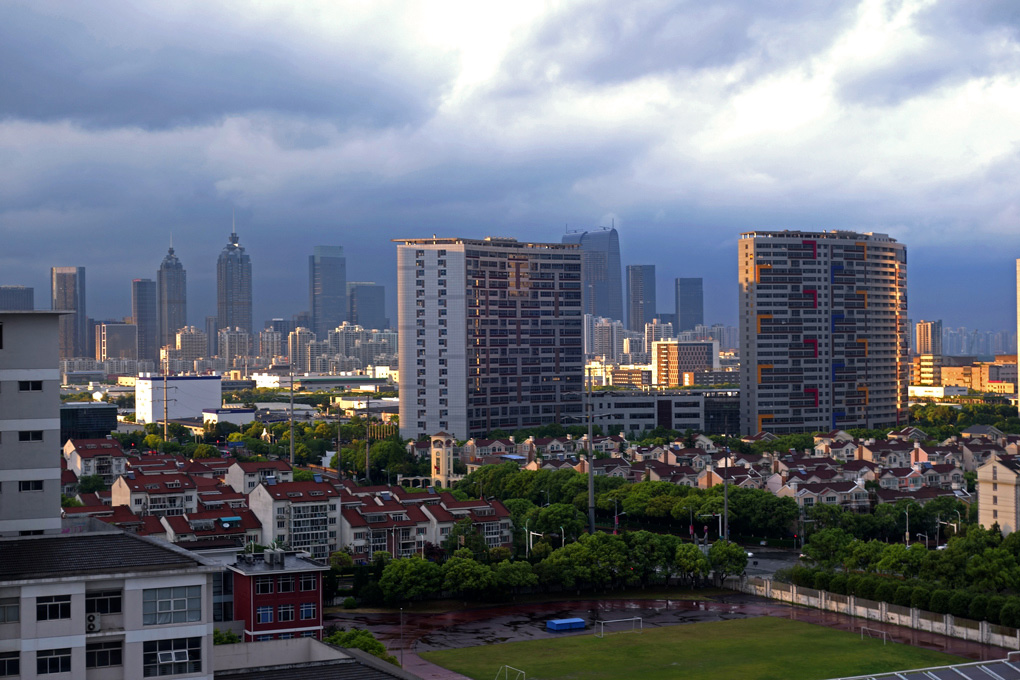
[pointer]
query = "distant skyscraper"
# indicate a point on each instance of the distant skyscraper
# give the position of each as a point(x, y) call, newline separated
point(479, 350)
point(171, 298)
point(327, 288)
point(17, 298)
point(640, 295)
point(212, 334)
point(67, 293)
point(116, 341)
point(690, 304)
point(233, 287)
point(929, 337)
point(144, 314)
point(366, 304)
point(601, 283)
point(823, 333)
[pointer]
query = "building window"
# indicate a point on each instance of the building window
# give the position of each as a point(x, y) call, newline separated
point(285, 584)
point(309, 582)
point(10, 610)
point(103, 602)
point(10, 664)
point(30, 435)
point(104, 654)
point(30, 385)
point(286, 636)
point(264, 615)
point(286, 612)
point(263, 638)
point(181, 604)
point(307, 611)
point(172, 657)
point(53, 661)
point(308, 633)
point(53, 607)
point(264, 585)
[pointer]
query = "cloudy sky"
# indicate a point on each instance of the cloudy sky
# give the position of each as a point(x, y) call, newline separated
point(682, 123)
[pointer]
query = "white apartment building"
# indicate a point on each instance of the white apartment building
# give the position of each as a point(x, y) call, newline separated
point(298, 515)
point(103, 457)
point(187, 396)
point(490, 335)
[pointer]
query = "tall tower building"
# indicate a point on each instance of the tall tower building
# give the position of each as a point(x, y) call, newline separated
point(327, 288)
point(116, 341)
point(67, 293)
point(297, 348)
point(601, 284)
point(640, 295)
point(929, 337)
point(191, 343)
point(690, 304)
point(171, 298)
point(823, 332)
point(144, 313)
point(233, 287)
point(17, 298)
point(490, 335)
point(366, 305)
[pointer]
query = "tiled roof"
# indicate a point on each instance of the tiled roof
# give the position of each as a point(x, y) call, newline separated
point(301, 492)
point(83, 554)
point(90, 448)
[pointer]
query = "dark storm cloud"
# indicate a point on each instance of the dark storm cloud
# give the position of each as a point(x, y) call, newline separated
point(56, 68)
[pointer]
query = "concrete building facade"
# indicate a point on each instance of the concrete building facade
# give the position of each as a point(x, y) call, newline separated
point(327, 288)
point(823, 331)
point(490, 335)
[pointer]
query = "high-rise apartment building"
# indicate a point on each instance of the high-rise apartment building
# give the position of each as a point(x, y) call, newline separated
point(233, 287)
point(640, 295)
point(234, 343)
point(366, 305)
point(144, 314)
point(823, 333)
point(929, 337)
point(270, 344)
point(29, 422)
point(17, 298)
point(656, 331)
point(171, 298)
point(490, 335)
point(297, 348)
point(601, 283)
point(672, 359)
point(607, 339)
point(116, 341)
point(67, 294)
point(327, 288)
point(192, 343)
point(690, 304)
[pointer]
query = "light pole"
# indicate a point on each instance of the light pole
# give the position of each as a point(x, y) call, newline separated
point(591, 459)
point(919, 535)
point(546, 492)
point(959, 521)
point(906, 534)
point(401, 637)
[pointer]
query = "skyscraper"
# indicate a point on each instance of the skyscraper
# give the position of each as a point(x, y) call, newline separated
point(171, 298)
point(116, 341)
point(823, 333)
point(640, 295)
point(690, 304)
point(144, 314)
point(929, 337)
point(489, 335)
point(67, 293)
point(601, 285)
point(327, 288)
point(17, 298)
point(366, 304)
point(233, 287)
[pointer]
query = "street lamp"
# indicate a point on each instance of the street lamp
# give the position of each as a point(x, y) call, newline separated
point(919, 535)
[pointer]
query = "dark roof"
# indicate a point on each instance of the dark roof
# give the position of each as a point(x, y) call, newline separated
point(114, 553)
point(362, 666)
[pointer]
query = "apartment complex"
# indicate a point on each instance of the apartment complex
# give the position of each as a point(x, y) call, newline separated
point(823, 331)
point(490, 335)
point(929, 337)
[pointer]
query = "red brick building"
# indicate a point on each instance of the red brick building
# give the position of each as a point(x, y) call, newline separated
point(278, 595)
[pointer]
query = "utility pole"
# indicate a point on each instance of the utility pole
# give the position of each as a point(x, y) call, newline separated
point(726, 496)
point(591, 462)
point(368, 401)
point(166, 410)
point(292, 412)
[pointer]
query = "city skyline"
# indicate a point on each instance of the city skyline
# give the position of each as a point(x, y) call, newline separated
point(485, 122)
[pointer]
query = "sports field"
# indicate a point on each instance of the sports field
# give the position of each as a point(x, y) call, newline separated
point(762, 648)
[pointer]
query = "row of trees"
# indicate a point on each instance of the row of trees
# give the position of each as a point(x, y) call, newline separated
point(593, 562)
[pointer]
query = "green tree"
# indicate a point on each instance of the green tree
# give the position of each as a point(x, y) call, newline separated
point(410, 579)
point(691, 563)
point(467, 577)
point(69, 502)
point(91, 484)
point(356, 638)
point(512, 576)
point(465, 535)
point(205, 451)
point(727, 558)
point(828, 547)
point(225, 637)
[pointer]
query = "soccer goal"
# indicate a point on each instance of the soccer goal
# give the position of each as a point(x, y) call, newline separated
point(875, 633)
point(611, 627)
point(510, 673)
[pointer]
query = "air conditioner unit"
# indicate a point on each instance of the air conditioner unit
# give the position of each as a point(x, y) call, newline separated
point(93, 623)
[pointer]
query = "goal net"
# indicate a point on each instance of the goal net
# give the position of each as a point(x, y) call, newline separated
point(510, 673)
point(611, 627)
point(875, 633)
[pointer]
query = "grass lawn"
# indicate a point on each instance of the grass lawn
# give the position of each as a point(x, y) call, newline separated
point(762, 648)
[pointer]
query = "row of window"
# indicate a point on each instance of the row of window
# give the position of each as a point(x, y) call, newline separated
point(159, 657)
point(284, 613)
point(284, 636)
point(285, 584)
point(160, 606)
